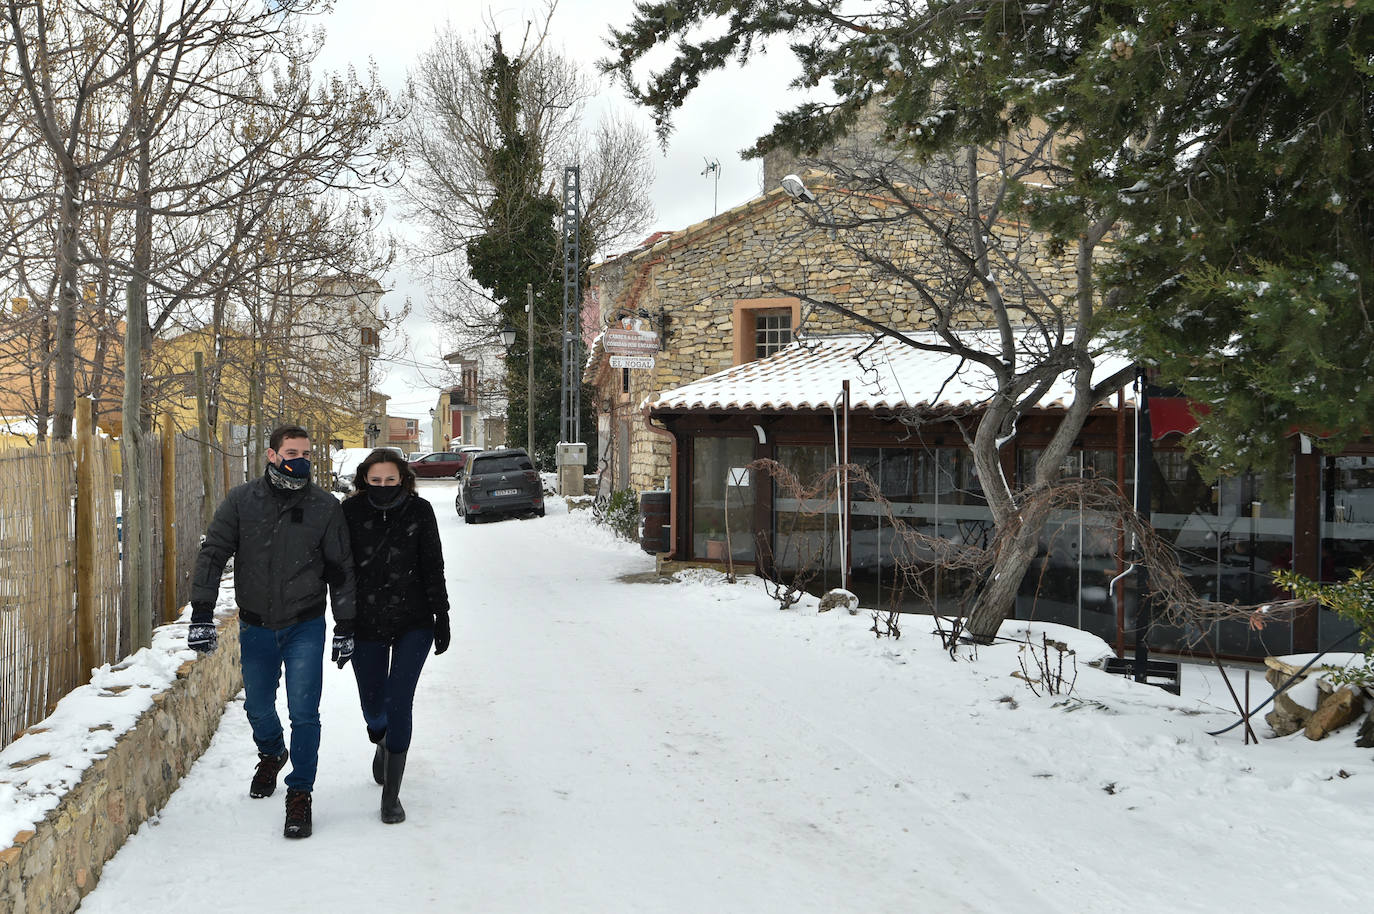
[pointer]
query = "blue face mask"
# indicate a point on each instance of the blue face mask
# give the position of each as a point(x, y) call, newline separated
point(295, 468)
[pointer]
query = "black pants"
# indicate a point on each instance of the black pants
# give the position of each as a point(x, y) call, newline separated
point(387, 675)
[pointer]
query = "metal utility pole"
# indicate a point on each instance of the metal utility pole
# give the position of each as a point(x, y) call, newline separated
point(570, 408)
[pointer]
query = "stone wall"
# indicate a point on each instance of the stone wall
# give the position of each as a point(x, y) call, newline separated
point(49, 868)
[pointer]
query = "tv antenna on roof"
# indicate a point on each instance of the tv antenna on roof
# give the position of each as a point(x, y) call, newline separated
point(713, 167)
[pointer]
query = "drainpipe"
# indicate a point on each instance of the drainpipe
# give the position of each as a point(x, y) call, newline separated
point(672, 475)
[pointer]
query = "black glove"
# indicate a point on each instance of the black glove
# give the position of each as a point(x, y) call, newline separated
point(441, 633)
point(343, 649)
point(202, 638)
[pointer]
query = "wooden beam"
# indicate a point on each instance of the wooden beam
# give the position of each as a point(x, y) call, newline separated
point(169, 518)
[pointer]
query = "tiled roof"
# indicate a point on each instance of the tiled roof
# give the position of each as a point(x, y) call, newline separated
point(887, 374)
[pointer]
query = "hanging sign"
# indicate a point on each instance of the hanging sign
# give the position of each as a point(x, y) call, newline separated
point(625, 341)
point(632, 361)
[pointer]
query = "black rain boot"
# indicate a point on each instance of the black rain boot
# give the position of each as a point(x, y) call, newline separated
point(378, 757)
point(392, 811)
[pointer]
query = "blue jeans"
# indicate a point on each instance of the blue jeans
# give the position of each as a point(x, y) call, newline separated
point(300, 650)
point(387, 675)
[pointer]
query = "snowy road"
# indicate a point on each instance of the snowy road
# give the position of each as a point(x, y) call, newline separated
point(594, 744)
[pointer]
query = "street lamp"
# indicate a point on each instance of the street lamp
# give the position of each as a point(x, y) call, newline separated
point(508, 336)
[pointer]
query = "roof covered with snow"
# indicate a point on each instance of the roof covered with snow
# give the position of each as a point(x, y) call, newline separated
point(883, 374)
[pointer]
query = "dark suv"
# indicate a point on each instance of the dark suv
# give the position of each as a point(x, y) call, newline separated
point(499, 482)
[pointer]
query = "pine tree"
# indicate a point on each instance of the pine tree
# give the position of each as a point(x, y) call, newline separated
point(1242, 270)
point(522, 247)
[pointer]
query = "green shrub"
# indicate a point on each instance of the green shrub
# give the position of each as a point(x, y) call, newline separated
point(1351, 599)
point(621, 514)
point(1354, 676)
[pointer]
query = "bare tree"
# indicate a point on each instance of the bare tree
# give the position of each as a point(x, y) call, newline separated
point(169, 135)
point(944, 238)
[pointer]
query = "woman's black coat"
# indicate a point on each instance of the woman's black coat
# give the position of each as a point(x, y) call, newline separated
point(398, 567)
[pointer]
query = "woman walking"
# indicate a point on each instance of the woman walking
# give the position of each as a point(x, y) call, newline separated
point(402, 608)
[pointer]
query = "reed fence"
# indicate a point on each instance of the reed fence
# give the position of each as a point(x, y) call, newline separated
point(37, 599)
point(64, 603)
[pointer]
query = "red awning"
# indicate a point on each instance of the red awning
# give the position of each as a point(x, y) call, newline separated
point(1174, 415)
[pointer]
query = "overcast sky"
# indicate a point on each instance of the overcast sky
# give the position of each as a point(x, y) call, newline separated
point(726, 114)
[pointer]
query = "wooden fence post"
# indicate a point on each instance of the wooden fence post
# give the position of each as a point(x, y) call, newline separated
point(86, 651)
point(207, 481)
point(169, 519)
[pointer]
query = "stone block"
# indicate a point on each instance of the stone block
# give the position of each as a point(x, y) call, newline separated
point(839, 599)
point(1336, 710)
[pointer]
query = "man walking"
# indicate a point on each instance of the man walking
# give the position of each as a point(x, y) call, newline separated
point(289, 538)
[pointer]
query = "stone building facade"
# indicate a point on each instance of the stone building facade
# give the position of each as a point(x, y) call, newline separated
point(709, 288)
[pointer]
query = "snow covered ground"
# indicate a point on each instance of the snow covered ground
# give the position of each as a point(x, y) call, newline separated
point(597, 744)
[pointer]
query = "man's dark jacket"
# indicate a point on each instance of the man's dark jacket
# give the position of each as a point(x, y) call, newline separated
point(398, 566)
point(286, 546)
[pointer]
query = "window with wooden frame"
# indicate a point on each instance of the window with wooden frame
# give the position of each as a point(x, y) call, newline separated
point(763, 326)
point(772, 331)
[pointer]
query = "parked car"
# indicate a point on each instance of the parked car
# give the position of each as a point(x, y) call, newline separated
point(499, 482)
point(439, 465)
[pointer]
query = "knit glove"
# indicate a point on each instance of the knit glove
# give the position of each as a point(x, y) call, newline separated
point(441, 633)
point(202, 638)
point(343, 649)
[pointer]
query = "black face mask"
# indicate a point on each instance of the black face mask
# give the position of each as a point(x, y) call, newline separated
point(385, 496)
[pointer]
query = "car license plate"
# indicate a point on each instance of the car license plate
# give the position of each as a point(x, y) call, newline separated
point(502, 493)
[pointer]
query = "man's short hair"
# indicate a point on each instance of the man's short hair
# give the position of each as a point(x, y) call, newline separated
point(281, 433)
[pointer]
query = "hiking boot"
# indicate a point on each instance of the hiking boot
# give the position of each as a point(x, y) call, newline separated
point(297, 814)
point(265, 778)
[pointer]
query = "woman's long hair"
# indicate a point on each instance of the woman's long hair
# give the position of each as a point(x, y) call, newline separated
point(382, 455)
